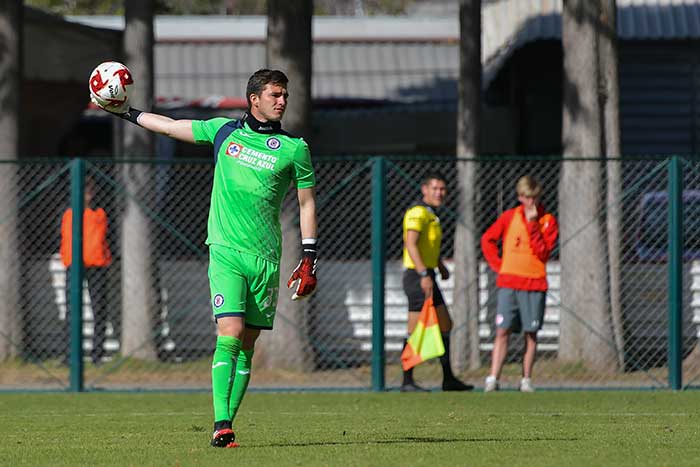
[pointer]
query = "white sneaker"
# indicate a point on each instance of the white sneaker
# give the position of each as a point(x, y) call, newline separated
point(526, 385)
point(491, 384)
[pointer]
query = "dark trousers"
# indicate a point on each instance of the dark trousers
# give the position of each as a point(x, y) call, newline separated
point(97, 286)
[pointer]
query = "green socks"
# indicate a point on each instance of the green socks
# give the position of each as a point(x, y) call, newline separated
point(240, 380)
point(222, 367)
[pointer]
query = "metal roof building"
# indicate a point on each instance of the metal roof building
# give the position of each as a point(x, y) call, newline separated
point(414, 60)
point(403, 59)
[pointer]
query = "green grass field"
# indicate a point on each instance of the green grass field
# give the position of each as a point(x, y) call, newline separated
point(436, 429)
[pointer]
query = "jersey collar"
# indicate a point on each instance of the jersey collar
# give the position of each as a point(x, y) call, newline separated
point(260, 127)
point(428, 207)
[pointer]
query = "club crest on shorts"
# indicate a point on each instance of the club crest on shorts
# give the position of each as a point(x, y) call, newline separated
point(218, 300)
point(267, 302)
point(273, 143)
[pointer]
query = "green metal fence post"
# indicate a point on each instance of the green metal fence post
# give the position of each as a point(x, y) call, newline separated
point(675, 272)
point(378, 270)
point(77, 175)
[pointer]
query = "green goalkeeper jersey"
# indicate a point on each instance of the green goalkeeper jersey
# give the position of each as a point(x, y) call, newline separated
point(252, 175)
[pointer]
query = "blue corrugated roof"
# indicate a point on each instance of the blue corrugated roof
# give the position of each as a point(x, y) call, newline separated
point(510, 24)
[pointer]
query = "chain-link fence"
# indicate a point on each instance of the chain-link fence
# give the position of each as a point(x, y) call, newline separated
point(146, 315)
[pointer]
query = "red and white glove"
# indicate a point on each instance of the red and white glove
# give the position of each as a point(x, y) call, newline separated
point(303, 277)
point(115, 107)
point(123, 110)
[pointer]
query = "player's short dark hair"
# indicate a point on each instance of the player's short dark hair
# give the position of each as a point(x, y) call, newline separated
point(261, 78)
point(432, 176)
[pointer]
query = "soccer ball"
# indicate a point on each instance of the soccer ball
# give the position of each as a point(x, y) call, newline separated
point(110, 83)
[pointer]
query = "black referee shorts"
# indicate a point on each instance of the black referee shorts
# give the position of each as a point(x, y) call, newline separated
point(416, 297)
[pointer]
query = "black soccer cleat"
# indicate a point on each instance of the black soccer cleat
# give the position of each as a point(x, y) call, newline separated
point(412, 387)
point(454, 384)
point(223, 438)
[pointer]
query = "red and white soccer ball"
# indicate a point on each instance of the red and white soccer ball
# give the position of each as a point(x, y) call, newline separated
point(110, 83)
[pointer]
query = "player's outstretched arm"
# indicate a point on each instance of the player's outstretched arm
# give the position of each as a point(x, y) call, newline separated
point(109, 90)
point(178, 129)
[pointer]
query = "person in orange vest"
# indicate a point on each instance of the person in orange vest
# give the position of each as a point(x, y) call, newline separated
point(96, 258)
point(422, 236)
point(527, 234)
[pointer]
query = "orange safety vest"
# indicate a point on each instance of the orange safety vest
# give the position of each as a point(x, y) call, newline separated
point(95, 248)
point(518, 258)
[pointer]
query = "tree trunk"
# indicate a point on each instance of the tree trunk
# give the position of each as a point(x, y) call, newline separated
point(585, 319)
point(10, 79)
point(610, 93)
point(289, 50)
point(139, 271)
point(465, 308)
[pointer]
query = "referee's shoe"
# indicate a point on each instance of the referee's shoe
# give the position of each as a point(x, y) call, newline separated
point(453, 384)
point(412, 387)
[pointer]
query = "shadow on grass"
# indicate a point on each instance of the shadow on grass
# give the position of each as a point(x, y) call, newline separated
point(407, 440)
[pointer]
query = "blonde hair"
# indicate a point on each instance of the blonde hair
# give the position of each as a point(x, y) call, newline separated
point(529, 187)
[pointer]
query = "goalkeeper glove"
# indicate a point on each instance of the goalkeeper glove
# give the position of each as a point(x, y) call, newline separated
point(304, 275)
point(114, 107)
point(124, 111)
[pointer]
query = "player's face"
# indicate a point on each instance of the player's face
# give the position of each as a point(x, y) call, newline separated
point(434, 192)
point(270, 105)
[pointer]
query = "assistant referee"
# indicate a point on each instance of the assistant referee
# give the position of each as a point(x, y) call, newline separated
point(422, 236)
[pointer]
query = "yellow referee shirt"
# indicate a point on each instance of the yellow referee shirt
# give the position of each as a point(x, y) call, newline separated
point(423, 220)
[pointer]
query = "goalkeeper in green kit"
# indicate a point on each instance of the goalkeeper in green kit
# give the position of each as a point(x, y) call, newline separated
point(256, 161)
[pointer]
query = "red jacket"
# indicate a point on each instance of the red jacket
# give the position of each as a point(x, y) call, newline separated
point(542, 235)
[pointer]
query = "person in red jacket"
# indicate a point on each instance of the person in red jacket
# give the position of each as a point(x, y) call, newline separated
point(96, 257)
point(527, 234)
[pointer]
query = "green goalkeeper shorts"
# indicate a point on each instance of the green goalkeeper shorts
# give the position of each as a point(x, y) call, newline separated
point(243, 285)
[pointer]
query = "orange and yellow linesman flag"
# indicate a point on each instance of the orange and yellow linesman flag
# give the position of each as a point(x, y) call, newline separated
point(426, 340)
